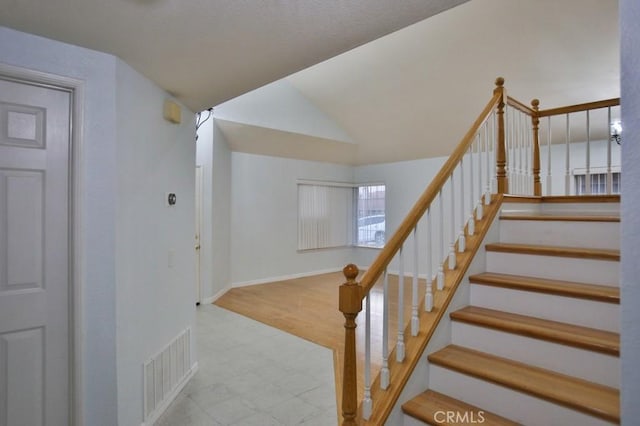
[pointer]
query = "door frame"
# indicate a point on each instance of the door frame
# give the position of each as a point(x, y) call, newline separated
point(76, 89)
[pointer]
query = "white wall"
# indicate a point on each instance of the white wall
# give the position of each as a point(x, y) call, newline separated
point(98, 200)
point(281, 106)
point(214, 156)
point(155, 294)
point(132, 303)
point(204, 159)
point(630, 299)
point(264, 220)
point(221, 214)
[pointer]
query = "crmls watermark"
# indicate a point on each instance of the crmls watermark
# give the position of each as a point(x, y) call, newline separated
point(464, 417)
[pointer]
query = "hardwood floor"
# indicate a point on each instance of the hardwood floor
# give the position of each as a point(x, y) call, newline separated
point(308, 308)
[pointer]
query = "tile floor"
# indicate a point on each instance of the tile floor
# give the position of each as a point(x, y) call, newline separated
point(252, 374)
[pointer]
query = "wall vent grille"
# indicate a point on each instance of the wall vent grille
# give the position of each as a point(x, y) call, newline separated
point(165, 372)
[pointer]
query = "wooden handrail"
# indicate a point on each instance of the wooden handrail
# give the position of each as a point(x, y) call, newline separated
point(370, 277)
point(519, 105)
point(351, 293)
point(579, 107)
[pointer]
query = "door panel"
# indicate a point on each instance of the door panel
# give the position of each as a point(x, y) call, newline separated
point(34, 255)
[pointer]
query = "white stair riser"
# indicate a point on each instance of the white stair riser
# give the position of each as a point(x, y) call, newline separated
point(582, 208)
point(588, 365)
point(503, 401)
point(587, 313)
point(562, 208)
point(602, 272)
point(604, 235)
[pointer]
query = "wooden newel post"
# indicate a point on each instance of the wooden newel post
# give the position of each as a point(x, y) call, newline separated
point(501, 152)
point(350, 304)
point(535, 121)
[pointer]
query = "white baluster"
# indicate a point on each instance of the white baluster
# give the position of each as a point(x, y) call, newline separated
point(400, 343)
point(462, 243)
point(428, 298)
point(384, 371)
point(549, 183)
point(471, 223)
point(367, 403)
point(415, 321)
point(479, 209)
point(609, 174)
point(508, 146)
point(440, 278)
point(587, 176)
point(494, 142)
point(567, 170)
point(452, 242)
point(487, 195)
point(528, 156)
point(521, 148)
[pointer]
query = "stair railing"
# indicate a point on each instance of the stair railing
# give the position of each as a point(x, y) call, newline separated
point(575, 136)
point(450, 206)
point(575, 133)
point(500, 153)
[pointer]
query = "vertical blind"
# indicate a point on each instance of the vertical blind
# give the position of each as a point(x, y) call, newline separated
point(325, 216)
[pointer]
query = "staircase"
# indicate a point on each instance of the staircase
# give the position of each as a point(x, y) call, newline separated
point(539, 343)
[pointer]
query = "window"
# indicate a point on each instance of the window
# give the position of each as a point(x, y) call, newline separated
point(336, 215)
point(598, 183)
point(370, 215)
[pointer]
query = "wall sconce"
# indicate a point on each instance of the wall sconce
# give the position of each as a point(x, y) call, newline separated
point(616, 132)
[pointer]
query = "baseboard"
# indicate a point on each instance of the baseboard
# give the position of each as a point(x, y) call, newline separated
point(284, 277)
point(170, 397)
point(218, 295)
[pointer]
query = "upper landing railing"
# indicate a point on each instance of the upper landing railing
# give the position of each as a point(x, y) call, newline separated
point(499, 154)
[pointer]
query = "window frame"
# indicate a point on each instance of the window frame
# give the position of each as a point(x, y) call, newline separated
point(352, 223)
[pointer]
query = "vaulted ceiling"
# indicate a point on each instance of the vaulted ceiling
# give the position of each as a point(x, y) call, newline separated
point(402, 79)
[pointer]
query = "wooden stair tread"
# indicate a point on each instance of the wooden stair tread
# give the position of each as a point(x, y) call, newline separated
point(568, 334)
point(601, 293)
point(553, 217)
point(545, 250)
point(591, 398)
point(425, 406)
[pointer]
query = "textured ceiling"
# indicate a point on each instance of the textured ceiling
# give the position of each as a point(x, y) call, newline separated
point(414, 93)
point(411, 94)
point(208, 51)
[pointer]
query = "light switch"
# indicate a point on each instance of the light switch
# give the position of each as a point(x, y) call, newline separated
point(171, 258)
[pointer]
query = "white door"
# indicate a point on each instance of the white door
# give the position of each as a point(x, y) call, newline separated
point(34, 255)
point(198, 210)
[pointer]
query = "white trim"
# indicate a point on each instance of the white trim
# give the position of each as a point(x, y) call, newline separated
point(218, 295)
point(159, 410)
point(76, 281)
point(595, 170)
point(284, 277)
